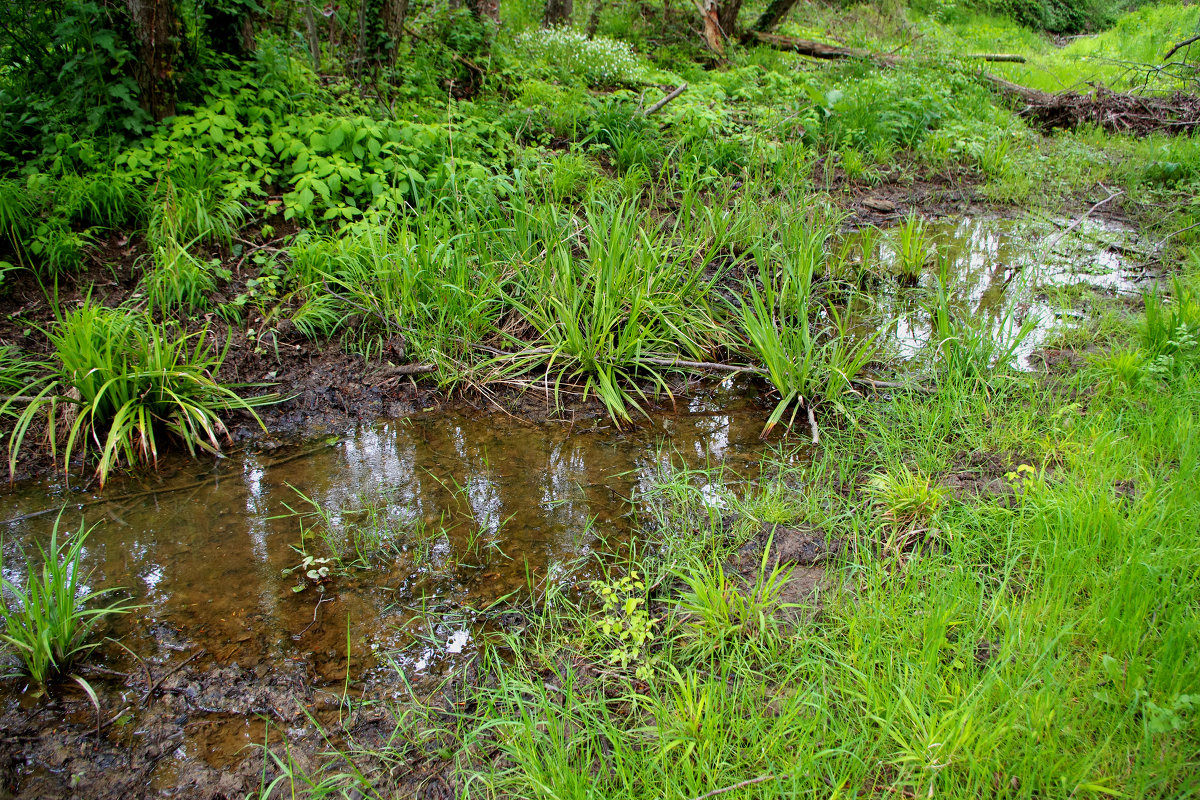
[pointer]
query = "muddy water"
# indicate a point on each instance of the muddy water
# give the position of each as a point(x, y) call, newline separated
point(446, 522)
point(455, 512)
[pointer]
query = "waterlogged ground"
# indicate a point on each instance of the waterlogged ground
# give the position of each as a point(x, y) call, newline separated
point(1010, 271)
point(464, 511)
point(460, 518)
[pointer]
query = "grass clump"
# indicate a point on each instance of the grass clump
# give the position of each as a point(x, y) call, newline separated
point(46, 619)
point(616, 318)
point(119, 382)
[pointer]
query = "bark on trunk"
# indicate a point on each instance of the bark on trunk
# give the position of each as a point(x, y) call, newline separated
point(486, 9)
point(712, 27)
point(156, 29)
point(395, 12)
point(727, 16)
point(558, 12)
point(776, 11)
point(310, 32)
point(594, 18)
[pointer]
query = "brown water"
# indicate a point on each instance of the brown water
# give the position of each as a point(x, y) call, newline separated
point(467, 508)
point(460, 516)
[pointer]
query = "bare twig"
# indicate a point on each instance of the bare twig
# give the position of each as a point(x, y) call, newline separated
point(1164, 240)
point(166, 675)
point(713, 365)
point(316, 608)
point(1180, 46)
point(812, 424)
point(678, 90)
point(140, 660)
point(1078, 222)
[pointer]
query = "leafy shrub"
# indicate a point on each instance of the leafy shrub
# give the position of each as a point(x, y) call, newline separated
point(119, 382)
point(1171, 331)
point(47, 622)
point(568, 54)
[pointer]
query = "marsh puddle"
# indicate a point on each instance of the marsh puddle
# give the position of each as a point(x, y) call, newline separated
point(460, 511)
point(1007, 272)
point(459, 517)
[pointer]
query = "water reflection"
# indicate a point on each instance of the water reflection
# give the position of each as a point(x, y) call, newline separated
point(499, 502)
point(997, 266)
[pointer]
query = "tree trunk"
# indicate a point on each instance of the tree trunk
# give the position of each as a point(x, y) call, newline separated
point(486, 9)
point(712, 27)
point(156, 31)
point(310, 32)
point(558, 12)
point(594, 18)
point(776, 11)
point(395, 12)
point(727, 17)
point(230, 29)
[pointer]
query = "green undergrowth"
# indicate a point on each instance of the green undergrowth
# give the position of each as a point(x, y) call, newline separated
point(1011, 612)
point(542, 230)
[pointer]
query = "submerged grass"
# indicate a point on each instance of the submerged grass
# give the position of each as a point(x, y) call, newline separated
point(47, 621)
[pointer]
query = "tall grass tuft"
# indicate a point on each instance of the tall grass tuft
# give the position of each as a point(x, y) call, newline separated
point(617, 316)
point(806, 364)
point(912, 247)
point(176, 280)
point(974, 346)
point(16, 215)
point(119, 383)
point(47, 621)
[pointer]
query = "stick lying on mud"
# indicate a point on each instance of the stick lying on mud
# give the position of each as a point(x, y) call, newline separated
point(166, 675)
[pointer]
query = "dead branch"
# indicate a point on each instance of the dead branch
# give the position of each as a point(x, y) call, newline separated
point(678, 90)
point(1078, 222)
point(1180, 46)
point(1010, 58)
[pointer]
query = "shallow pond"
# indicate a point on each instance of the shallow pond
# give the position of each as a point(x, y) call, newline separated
point(446, 521)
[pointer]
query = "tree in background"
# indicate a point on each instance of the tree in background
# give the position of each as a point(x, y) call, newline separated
point(558, 12)
point(774, 13)
point(156, 34)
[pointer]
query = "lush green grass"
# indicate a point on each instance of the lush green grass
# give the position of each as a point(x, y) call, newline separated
point(1035, 639)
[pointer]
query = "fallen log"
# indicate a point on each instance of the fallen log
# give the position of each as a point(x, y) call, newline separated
point(814, 49)
point(1116, 112)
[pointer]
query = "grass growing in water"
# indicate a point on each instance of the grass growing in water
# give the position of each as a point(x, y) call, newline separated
point(47, 621)
point(618, 316)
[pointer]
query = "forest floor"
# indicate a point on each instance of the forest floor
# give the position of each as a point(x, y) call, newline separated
point(981, 581)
